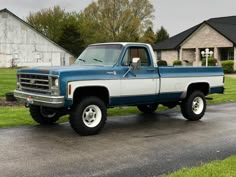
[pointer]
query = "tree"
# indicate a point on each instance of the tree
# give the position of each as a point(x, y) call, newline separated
point(48, 21)
point(149, 36)
point(71, 39)
point(60, 26)
point(116, 20)
point(161, 35)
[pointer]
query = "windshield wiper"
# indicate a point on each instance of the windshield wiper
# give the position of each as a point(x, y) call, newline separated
point(97, 60)
point(82, 60)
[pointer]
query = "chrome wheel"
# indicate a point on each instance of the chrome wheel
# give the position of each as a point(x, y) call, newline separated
point(92, 116)
point(198, 105)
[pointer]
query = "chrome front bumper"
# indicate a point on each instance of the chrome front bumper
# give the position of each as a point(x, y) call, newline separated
point(40, 100)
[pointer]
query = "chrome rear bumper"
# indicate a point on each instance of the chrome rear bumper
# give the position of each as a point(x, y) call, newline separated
point(40, 100)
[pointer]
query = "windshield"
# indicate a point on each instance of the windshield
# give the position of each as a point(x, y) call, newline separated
point(104, 55)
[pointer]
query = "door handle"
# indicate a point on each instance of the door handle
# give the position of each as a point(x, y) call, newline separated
point(112, 73)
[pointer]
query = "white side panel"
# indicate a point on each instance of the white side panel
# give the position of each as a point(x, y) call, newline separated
point(181, 84)
point(112, 85)
point(133, 87)
point(130, 87)
point(138, 87)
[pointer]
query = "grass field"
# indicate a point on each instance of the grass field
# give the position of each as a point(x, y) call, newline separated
point(229, 95)
point(224, 168)
point(7, 81)
point(18, 116)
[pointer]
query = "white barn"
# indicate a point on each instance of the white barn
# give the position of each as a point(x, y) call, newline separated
point(23, 46)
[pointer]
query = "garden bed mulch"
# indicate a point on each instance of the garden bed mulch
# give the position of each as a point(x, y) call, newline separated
point(4, 103)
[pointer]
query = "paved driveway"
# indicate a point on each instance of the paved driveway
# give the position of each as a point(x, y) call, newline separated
point(129, 146)
point(231, 75)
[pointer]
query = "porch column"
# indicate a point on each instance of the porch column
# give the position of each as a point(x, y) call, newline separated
point(197, 57)
point(181, 54)
point(234, 58)
point(216, 54)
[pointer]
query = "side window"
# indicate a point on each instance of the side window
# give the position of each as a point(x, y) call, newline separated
point(136, 52)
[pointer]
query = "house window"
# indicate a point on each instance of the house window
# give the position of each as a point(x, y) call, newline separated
point(227, 54)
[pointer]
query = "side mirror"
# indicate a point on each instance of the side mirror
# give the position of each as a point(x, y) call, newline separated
point(136, 63)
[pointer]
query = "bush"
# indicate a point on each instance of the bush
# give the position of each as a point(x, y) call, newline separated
point(177, 63)
point(161, 63)
point(211, 62)
point(228, 66)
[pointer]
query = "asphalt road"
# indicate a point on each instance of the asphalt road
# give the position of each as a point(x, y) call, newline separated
point(132, 146)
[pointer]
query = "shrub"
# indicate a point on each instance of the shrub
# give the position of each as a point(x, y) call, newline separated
point(211, 62)
point(228, 66)
point(177, 63)
point(161, 63)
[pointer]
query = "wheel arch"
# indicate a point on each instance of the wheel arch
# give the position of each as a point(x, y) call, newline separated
point(99, 91)
point(204, 87)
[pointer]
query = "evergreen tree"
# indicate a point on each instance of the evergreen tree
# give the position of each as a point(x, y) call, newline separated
point(161, 35)
point(149, 36)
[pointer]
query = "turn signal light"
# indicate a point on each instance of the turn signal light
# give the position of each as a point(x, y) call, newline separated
point(69, 89)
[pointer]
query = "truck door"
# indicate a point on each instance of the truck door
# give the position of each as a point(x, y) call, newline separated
point(138, 86)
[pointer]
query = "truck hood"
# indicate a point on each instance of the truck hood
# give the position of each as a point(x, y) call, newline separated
point(58, 70)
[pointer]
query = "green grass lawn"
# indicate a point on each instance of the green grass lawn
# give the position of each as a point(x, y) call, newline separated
point(14, 116)
point(224, 168)
point(18, 116)
point(7, 81)
point(229, 95)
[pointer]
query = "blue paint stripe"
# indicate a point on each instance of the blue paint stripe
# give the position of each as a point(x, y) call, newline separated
point(217, 90)
point(167, 72)
point(144, 99)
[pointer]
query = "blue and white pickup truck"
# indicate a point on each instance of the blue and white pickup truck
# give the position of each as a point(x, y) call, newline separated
point(114, 74)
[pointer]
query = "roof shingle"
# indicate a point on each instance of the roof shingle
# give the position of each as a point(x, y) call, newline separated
point(226, 26)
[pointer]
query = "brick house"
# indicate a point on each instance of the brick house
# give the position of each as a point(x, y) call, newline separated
point(217, 34)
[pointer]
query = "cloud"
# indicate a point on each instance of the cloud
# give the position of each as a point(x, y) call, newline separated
point(22, 8)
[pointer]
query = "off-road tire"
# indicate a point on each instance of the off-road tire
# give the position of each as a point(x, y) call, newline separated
point(88, 117)
point(194, 106)
point(40, 116)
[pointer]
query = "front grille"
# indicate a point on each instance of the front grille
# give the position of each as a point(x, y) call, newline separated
point(34, 83)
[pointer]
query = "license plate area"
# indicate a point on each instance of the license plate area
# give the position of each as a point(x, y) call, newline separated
point(29, 100)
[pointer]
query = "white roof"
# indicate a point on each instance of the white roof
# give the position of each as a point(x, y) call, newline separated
point(121, 43)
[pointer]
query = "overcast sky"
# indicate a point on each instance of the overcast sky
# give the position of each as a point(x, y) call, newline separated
point(175, 15)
